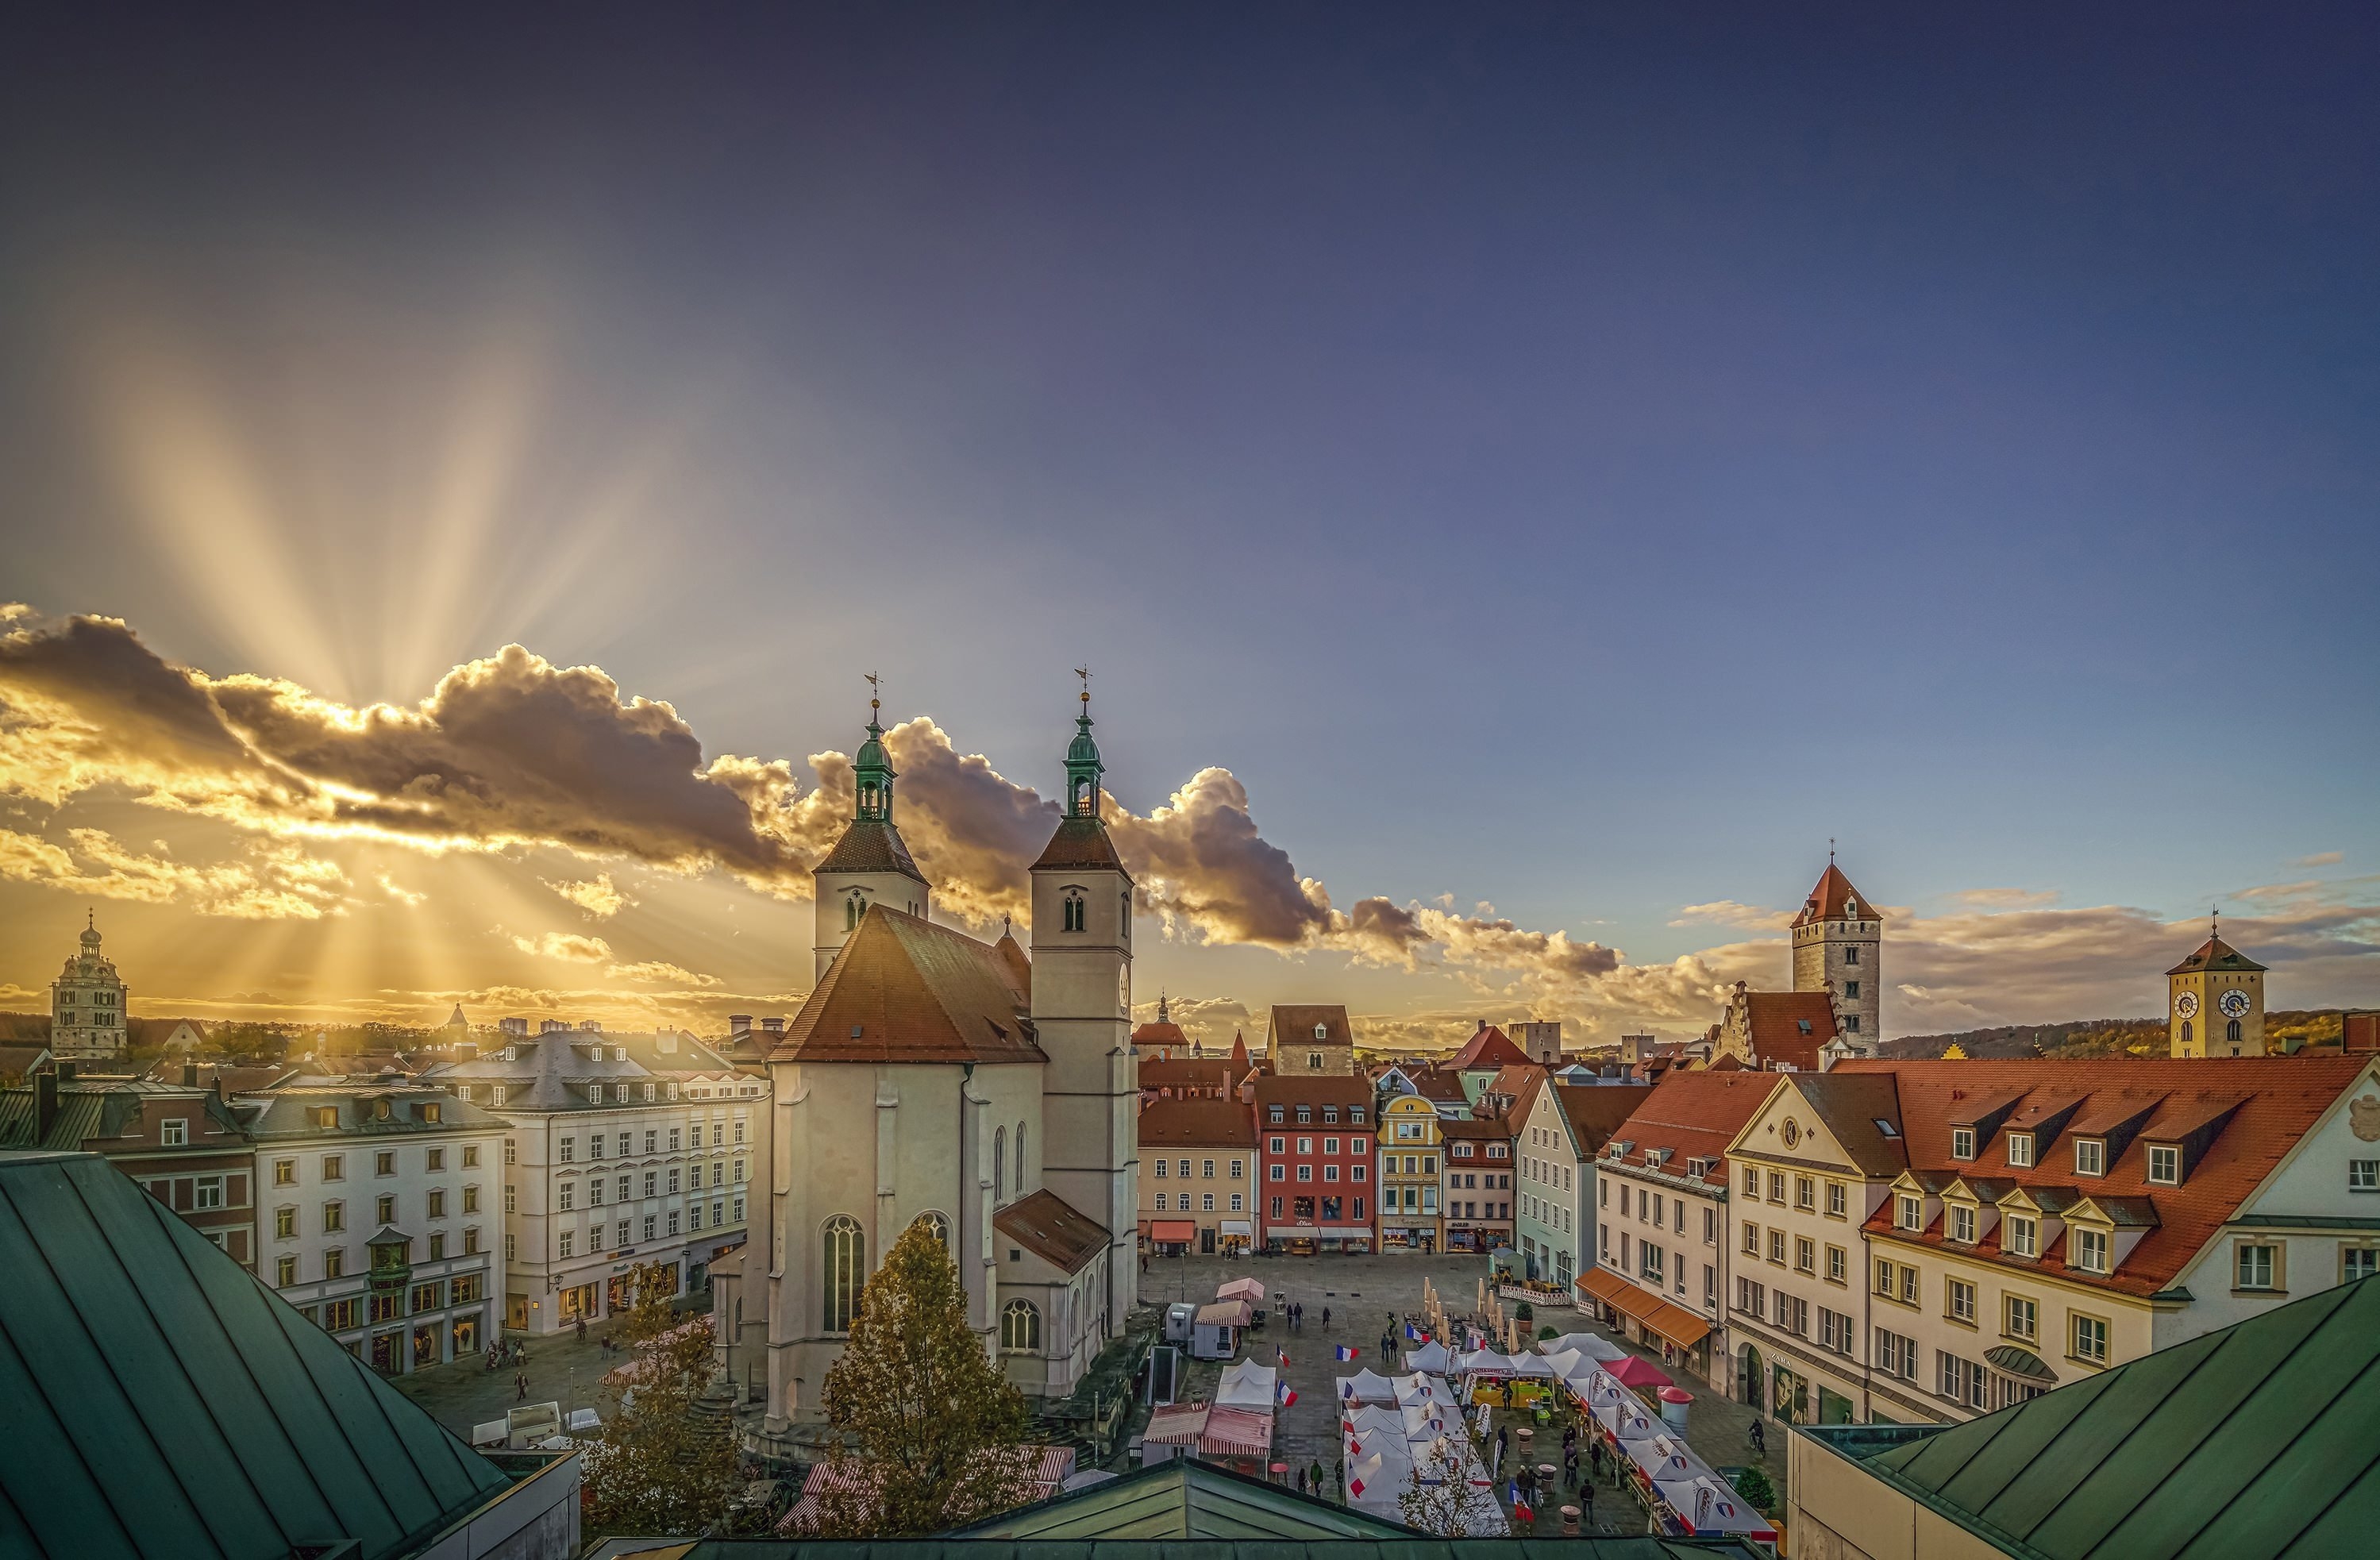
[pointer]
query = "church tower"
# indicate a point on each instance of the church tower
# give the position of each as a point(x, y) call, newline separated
point(1836, 940)
point(2215, 1001)
point(1082, 1014)
point(870, 864)
point(88, 1004)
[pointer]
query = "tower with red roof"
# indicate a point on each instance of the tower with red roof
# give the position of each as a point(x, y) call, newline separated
point(1835, 940)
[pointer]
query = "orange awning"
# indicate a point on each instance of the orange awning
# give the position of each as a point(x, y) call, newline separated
point(1171, 1230)
point(1674, 1323)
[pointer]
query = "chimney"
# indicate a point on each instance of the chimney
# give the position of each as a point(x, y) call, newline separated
point(189, 1074)
point(46, 1103)
point(773, 1026)
point(740, 1023)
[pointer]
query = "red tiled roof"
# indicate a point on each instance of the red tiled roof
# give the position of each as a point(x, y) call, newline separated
point(1437, 1087)
point(1834, 899)
point(1293, 1026)
point(2215, 953)
point(2274, 1101)
point(1487, 1127)
point(1788, 1028)
point(869, 845)
point(1518, 1081)
point(903, 990)
point(1046, 1224)
point(1694, 1115)
point(1160, 1037)
point(1196, 1124)
point(1080, 845)
point(1594, 1110)
point(1489, 1048)
point(1020, 969)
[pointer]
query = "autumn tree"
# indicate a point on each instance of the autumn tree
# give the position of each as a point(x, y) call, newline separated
point(658, 1466)
point(931, 1432)
point(1439, 1498)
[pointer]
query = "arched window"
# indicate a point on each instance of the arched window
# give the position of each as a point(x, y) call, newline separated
point(1000, 1166)
point(2231, 1031)
point(844, 1270)
point(1086, 797)
point(1020, 1158)
point(2185, 1032)
point(1126, 922)
point(1072, 913)
point(851, 908)
point(937, 1226)
point(1020, 1328)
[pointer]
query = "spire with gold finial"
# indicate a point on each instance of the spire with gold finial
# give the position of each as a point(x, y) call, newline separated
point(872, 769)
point(1083, 766)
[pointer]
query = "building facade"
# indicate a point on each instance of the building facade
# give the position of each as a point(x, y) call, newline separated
point(1311, 1040)
point(612, 1163)
point(1838, 937)
point(1560, 1135)
point(183, 1144)
point(1198, 1159)
point(379, 1216)
point(1314, 1149)
point(1477, 1204)
point(88, 1004)
point(1410, 1188)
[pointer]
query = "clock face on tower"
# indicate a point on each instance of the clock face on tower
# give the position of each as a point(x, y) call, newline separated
point(2233, 1002)
point(2186, 1005)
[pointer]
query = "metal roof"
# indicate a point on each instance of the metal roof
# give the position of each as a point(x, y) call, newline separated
point(162, 1401)
point(2261, 1440)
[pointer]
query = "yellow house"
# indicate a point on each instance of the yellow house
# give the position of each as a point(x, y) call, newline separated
point(1409, 1179)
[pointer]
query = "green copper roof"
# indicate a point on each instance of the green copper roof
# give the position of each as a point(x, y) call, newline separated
point(2261, 1440)
point(160, 1401)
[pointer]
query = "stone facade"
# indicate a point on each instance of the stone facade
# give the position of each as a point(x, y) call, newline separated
point(87, 1005)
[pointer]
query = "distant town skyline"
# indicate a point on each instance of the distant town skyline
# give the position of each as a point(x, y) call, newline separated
point(1521, 485)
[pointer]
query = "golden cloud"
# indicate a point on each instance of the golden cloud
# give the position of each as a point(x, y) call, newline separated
point(596, 896)
point(565, 945)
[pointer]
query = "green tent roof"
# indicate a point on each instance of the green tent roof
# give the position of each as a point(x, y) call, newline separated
point(2261, 1440)
point(161, 1401)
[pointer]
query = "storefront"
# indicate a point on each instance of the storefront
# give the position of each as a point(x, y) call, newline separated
point(1238, 1236)
point(1172, 1237)
point(577, 1304)
point(1681, 1337)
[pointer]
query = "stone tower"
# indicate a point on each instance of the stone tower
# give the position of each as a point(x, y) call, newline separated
point(1082, 1014)
point(2214, 1002)
point(1836, 939)
point(87, 1004)
point(870, 864)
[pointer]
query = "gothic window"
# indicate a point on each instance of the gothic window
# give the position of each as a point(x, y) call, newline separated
point(845, 1270)
point(1000, 1166)
point(1020, 1158)
point(1072, 912)
point(2231, 1031)
point(851, 910)
point(2185, 1032)
point(937, 1226)
point(1020, 1327)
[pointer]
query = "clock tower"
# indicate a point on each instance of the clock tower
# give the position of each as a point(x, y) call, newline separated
point(1837, 939)
point(2214, 1002)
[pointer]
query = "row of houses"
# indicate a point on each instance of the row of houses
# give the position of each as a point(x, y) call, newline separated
point(417, 1211)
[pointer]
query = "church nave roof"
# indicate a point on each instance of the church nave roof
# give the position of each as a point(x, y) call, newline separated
point(904, 990)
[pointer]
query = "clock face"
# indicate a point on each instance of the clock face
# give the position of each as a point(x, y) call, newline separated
point(2186, 1005)
point(2233, 1002)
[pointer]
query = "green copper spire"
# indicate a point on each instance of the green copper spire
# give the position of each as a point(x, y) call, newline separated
point(1083, 766)
point(873, 770)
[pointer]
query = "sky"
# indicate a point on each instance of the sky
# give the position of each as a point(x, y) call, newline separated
point(1524, 478)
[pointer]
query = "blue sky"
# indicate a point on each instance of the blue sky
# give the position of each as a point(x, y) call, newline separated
point(1578, 459)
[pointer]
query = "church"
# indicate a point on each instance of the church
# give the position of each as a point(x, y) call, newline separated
point(987, 1093)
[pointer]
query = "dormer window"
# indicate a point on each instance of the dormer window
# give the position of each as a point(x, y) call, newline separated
point(1355, 1116)
point(2020, 1148)
point(1908, 1212)
point(2165, 1164)
point(2020, 1237)
point(1963, 1225)
point(1322, 1031)
point(2088, 1251)
point(1962, 1142)
point(2090, 1157)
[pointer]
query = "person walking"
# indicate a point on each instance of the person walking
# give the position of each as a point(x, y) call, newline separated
point(1300, 1480)
point(1759, 1439)
point(1326, 1319)
point(1587, 1503)
point(520, 1385)
point(582, 1329)
point(1313, 1480)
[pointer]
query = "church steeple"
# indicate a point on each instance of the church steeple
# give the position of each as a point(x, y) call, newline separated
point(1083, 766)
point(873, 769)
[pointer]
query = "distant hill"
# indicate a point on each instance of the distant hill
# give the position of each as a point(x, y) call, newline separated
point(2100, 1036)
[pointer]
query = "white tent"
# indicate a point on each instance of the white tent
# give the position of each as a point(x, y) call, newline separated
point(1592, 1345)
point(1248, 1289)
point(1483, 1363)
point(1422, 1420)
point(1393, 1451)
point(1248, 1385)
point(1418, 1388)
point(1374, 1480)
point(1371, 1419)
point(1431, 1357)
point(1532, 1365)
point(1367, 1386)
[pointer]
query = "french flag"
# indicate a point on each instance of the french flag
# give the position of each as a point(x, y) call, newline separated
point(1354, 1486)
point(1282, 1394)
point(1281, 1358)
point(1345, 1353)
point(1413, 1333)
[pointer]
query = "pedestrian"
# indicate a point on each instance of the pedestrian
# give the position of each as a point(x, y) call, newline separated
point(1313, 1483)
point(520, 1384)
point(1300, 1480)
point(1759, 1439)
point(1595, 1457)
point(582, 1329)
point(1588, 1492)
point(1326, 1319)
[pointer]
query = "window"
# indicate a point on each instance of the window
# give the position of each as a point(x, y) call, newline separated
point(651, 1139)
point(1834, 1331)
point(1835, 1199)
point(1206, 1169)
point(1883, 1284)
point(285, 1172)
point(1836, 1263)
point(1963, 1381)
point(2257, 1266)
point(384, 1162)
point(673, 1139)
point(471, 1156)
point(2357, 1262)
point(1239, 1169)
point(1165, 1203)
point(1962, 1146)
point(334, 1217)
point(652, 1223)
point(1961, 1298)
point(1908, 1212)
point(174, 1133)
point(285, 1272)
point(1072, 912)
point(471, 1240)
point(2024, 1318)
point(1851, 990)
point(1160, 1163)
point(2090, 1250)
point(1020, 1327)
point(563, 1194)
point(1751, 1181)
point(285, 1224)
point(2364, 1175)
point(1752, 1241)
point(1908, 1285)
point(334, 1263)
point(385, 1211)
point(2165, 1164)
point(438, 1247)
point(1805, 1192)
point(1750, 1297)
point(2090, 1157)
point(1962, 1224)
point(1710, 1227)
point(2020, 1237)
point(1851, 954)
point(335, 1168)
point(339, 1316)
point(1895, 1355)
point(2090, 1339)
point(845, 1270)
point(1777, 1247)
point(512, 1196)
point(563, 1243)
point(1805, 1255)
point(2019, 1148)
point(1776, 1187)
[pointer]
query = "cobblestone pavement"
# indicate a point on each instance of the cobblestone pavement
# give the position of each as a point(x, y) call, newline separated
point(561, 1369)
point(1362, 1293)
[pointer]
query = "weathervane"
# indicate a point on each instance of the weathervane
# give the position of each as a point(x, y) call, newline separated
point(874, 689)
point(1083, 672)
point(1830, 850)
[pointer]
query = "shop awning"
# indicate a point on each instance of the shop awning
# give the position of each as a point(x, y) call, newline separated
point(1674, 1323)
point(1174, 1230)
point(1244, 1228)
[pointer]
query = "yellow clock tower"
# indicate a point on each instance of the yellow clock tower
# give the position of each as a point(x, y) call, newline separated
point(2216, 1001)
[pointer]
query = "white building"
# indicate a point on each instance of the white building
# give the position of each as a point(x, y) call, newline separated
point(932, 1079)
point(87, 1005)
point(623, 1150)
point(379, 1216)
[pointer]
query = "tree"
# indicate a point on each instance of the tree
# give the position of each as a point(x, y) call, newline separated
point(1754, 1486)
point(1545, 1332)
point(658, 1467)
point(1524, 1313)
point(932, 1433)
point(1439, 1499)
